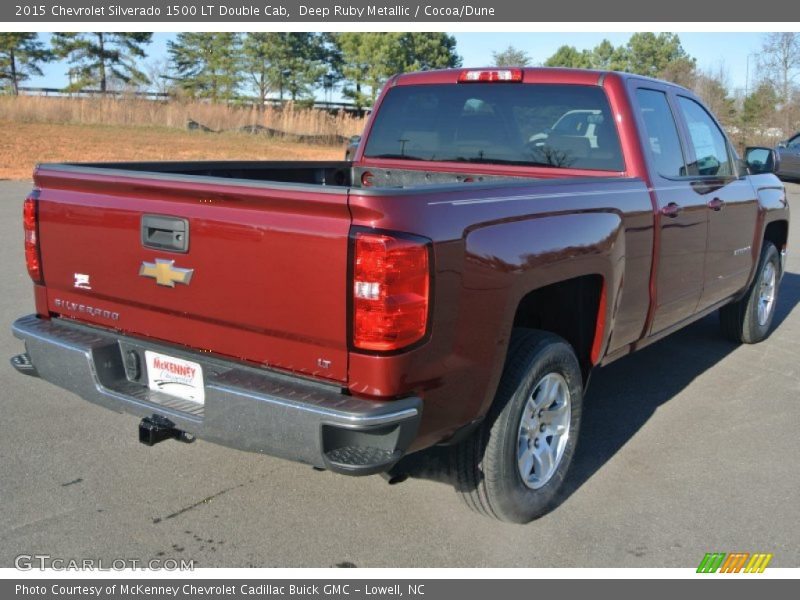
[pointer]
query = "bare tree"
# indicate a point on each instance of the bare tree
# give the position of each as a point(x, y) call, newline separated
point(159, 75)
point(712, 86)
point(781, 60)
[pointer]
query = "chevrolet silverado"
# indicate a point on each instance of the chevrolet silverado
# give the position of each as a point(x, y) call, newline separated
point(498, 235)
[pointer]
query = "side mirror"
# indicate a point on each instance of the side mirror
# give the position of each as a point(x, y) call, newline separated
point(782, 144)
point(354, 140)
point(760, 159)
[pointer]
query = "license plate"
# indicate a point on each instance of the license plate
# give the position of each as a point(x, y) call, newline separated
point(175, 376)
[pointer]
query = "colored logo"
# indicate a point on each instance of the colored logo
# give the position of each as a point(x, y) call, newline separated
point(735, 562)
point(165, 273)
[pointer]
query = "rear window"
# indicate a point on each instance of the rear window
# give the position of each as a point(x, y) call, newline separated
point(566, 126)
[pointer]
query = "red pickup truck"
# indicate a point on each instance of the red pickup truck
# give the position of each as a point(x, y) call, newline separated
point(499, 234)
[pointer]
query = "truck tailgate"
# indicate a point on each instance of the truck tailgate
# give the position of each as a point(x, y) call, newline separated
point(268, 264)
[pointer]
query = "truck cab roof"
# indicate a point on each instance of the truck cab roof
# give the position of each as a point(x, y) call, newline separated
point(529, 75)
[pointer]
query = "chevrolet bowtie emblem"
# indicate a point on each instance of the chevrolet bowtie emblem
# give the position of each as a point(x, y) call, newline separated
point(165, 273)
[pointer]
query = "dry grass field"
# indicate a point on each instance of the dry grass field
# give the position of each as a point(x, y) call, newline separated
point(41, 129)
point(174, 114)
point(22, 145)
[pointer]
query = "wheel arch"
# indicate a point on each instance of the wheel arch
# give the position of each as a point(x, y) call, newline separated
point(573, 309)
point(777, 232)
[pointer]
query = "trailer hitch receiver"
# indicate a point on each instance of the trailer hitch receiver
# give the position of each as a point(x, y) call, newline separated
point(155, 429)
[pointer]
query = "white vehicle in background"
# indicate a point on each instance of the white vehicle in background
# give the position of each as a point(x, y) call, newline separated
point(574, 123)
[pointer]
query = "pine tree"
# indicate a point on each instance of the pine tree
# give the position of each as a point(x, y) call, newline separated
point(570, 57)
point(370, 58)
point(99, 58)
point(366, 63)
point(423, 51)
point(289, 63)
point(208, 65)
point(606, 56)
point(20, 57)
point(257, 63)
point(657, 55)
point(511, 57)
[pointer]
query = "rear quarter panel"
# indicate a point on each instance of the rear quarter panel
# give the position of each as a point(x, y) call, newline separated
point(492, 246)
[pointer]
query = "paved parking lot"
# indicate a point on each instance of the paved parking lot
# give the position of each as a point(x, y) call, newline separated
point(690, 446)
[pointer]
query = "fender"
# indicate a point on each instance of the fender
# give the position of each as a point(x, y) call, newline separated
point(506, 261)
point(773, 206)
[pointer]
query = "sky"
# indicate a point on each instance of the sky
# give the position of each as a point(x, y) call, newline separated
point(712, 50)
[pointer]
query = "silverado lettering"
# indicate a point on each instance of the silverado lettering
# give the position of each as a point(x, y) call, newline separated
point(498, 235)
point(83, 308)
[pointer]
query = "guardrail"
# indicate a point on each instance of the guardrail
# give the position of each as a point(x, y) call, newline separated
point(59, 92)
point(164, 96)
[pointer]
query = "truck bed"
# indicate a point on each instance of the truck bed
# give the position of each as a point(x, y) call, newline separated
point(317, 173)
point(268, 246)
point(336, 173)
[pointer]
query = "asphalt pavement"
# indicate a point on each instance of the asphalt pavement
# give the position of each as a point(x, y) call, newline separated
point(690, 446)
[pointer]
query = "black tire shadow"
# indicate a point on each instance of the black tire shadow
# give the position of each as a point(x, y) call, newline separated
point(624, 395)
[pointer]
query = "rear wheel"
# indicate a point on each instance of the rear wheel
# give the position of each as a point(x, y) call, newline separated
point(749, 320)
point(513, 466)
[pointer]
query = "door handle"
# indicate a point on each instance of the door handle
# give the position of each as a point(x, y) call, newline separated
point(671, 210)
point(165, 233)
point(716, 204)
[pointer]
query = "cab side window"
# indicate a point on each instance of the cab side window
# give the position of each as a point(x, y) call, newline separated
point(663, 143)
point(710, 148)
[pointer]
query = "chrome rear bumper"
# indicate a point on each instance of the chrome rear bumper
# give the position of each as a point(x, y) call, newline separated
point(245, 407)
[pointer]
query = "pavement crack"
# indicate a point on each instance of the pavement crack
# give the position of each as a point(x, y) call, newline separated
point(205, 500)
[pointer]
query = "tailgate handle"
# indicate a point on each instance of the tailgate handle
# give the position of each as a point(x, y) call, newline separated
point(165, 233)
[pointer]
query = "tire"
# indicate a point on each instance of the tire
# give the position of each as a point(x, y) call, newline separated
point(485, 465)
point(749, 319)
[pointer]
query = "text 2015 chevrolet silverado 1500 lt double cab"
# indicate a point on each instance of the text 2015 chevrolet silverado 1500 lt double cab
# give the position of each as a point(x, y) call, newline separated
point(498, 235)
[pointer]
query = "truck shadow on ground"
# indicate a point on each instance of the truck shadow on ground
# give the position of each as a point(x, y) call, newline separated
point(624, 395)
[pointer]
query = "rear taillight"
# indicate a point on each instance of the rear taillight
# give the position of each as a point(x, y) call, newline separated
point(30, 222)
point(391, 288)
